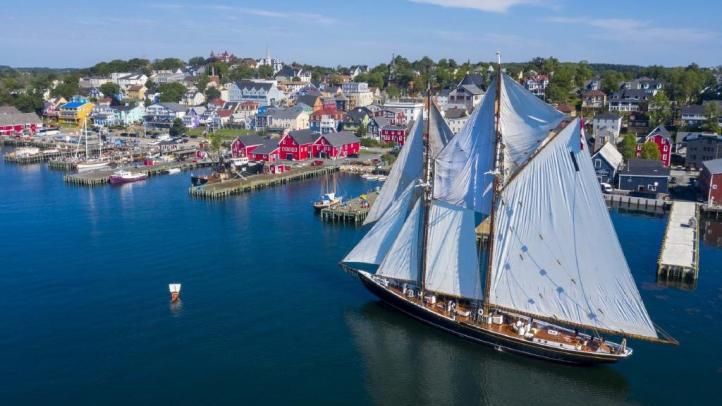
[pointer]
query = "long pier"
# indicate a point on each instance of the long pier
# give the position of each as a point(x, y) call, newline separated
point(353, 211)
point(100, 177)
point(637, 203)
point(231, 187)
point(679, 256)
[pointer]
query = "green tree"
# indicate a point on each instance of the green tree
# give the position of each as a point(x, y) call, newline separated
point(265, 71)
point(216, 140)
point(202, 82)
point(560, 85)
point(168, 64)
point(610, 81)
point(177, 128)
point(628, 148)
point(171, 92)
point(109, 89)
point(650, 151)
point(711, 110)
point(582, 74)
point(196, 61)
point(212, 93)
point(660, 109)
point(362, 130)
point(239, 73)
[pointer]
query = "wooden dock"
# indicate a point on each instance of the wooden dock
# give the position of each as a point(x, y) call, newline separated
point(679, 256)
point(637, 203)
point(100, 177)
point(250, 183)
point(352, 211)
point(43, 156)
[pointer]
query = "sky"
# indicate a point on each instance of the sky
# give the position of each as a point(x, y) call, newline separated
point(330, 33)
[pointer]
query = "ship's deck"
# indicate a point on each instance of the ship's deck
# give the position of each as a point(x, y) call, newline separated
point(540, 333)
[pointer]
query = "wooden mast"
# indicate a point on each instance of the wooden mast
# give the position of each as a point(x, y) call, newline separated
point(427, 184)
point(498, 171)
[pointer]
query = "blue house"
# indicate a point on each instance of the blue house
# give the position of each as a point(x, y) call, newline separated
point(606, 163)
point(647, 176)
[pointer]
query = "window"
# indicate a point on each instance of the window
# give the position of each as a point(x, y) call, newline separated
point(597, 163)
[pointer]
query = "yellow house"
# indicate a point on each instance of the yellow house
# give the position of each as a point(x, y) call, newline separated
point(75, 112)
point(136, 92)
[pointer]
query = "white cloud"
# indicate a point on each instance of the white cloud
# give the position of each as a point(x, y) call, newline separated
point(494, 6)
point(266, 13)
point(638, 31)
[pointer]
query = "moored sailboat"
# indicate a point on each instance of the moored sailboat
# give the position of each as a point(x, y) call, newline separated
point(328, 197)
point(174, 289)
point(552, 278)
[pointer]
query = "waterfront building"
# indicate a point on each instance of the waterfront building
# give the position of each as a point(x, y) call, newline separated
point(710, 181)
point(644, 175)
point(607, 162)
point(51, 108)
point(243, 146)
point(13, 122)
point(111, 116)
point(76, 111)
point(268, 151)
point(334, 145)
point(395, 134)
point(297, 145)
point(702, 147)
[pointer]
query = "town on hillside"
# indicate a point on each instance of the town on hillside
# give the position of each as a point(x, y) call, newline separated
point(651, 131)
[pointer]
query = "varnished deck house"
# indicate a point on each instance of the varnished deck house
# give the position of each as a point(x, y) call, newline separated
point(336, 145)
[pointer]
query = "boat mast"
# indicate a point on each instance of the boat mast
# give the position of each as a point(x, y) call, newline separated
point(427, 184)
point(498, 171)
point(85, 133)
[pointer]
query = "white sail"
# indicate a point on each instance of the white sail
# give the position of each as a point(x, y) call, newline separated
point(462, 170)
point(556, 253)
point(376, 243)
point(439, 132)
point(407, 168)
point(452, 263)
point(404, 258)
point(524, 121)
point(174, 287)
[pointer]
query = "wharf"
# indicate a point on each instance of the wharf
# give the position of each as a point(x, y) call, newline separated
point(353, 211)
point(679, 256)
point(227, 188)
point(635, 203)
point(36, 158)
point(100, 177)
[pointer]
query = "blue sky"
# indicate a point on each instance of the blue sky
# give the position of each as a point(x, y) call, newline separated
point(81, 33)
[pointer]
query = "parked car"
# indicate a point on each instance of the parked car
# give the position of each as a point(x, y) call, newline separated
point(606, 187)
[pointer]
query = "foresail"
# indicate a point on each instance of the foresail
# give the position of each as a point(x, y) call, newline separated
point(556, 253)
point(462, 171)
point(452, 263)
point(374, 246)
point(525, 121)
point(407, 168)
point(404, 258)
point(439, 132)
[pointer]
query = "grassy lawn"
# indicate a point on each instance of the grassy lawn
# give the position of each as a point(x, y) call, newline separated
point(226, 133)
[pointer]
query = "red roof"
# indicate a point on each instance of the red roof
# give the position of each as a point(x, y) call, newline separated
point(224, 113)
point(218, 102)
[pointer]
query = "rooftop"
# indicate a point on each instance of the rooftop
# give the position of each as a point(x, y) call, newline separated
point(714, 166)
point(645, 167)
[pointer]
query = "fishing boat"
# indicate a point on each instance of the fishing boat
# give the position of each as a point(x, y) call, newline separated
point(124, 176)
point(550, 282)
point(174, 289)
point(328, 196)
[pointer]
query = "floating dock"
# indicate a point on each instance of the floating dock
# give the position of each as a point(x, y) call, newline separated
point(250, 183)
point(352, 211)
point(679, 257)
point(635, 203)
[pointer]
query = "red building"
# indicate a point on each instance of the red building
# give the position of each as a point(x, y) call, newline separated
point(336, 145)
point(244, 145)
point(394, 134)
point(13, 122)
point(710, 181)
point(663, 139)
point(267, 152)
point(297, 145)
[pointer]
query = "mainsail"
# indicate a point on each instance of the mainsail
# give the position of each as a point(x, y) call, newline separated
point(439, 132)
point(556, 254)
point(407, 168)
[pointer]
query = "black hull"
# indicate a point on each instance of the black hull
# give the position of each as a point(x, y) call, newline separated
point(486, 337)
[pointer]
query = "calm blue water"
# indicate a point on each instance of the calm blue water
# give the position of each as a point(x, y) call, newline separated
point(266, 314)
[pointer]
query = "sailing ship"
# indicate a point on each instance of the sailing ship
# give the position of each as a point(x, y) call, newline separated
point(551, 281)
point(89, 164)
point(124, 176)
point(174, 289)
point(328, 197)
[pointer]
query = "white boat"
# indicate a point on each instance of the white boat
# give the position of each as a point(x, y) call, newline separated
point(123, 176)
point(174, 289)
point(173, 171)
point(91, 165)
point(370, 176)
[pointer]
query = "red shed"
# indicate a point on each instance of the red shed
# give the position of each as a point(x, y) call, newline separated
point(268, 151)
point(663, 139)
point(297, 145)
point(13, 122)
point(710, 181)
point(336, 145)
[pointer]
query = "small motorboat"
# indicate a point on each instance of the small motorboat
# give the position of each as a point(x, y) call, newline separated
point(122, 176)
point(174, 289)
point(173, 171)
point(327, 200)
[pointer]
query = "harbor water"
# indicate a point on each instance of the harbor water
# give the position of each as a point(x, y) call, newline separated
point(266, 316)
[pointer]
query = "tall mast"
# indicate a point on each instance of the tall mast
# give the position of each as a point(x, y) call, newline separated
point(427, 184)
point(498, 171)
point(85, 133)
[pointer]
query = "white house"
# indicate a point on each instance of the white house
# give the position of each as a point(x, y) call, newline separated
point(193, 98)
point(167, 76)
point(264, 92)
point(605, 128)
point(124, 80)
